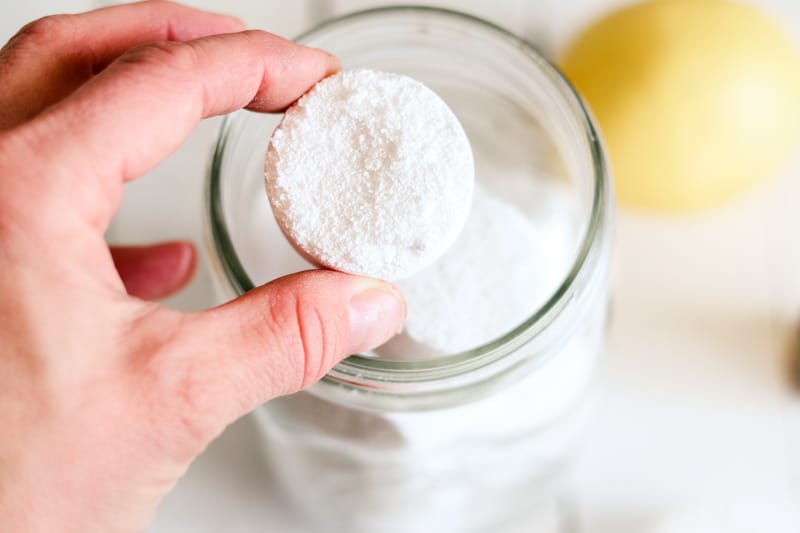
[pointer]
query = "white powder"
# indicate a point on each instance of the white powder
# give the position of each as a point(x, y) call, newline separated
point(370, 173)
point(500, 270)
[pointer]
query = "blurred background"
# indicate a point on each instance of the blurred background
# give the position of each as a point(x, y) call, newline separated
point(697, 426)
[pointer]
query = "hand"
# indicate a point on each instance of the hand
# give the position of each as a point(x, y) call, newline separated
point(106, 398)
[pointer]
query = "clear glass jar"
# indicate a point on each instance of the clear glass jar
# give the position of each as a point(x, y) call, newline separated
point(466, 441)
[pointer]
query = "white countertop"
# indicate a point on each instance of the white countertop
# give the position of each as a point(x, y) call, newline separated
point(697, 427)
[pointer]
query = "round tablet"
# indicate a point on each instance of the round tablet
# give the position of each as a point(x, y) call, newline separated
point(370, 173)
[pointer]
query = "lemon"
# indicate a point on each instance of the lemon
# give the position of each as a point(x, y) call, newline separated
point(696, 100)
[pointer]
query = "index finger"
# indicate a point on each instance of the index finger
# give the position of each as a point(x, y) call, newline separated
point(50, 57)
point(136, 112)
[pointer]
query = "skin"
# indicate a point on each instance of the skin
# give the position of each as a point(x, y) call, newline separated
point(106, 397)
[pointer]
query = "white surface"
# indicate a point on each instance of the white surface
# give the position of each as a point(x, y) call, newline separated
point(696, 411)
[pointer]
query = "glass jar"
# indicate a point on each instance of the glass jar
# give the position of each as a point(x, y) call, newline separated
point(459, 442)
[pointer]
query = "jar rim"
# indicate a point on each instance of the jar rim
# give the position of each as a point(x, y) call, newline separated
point(401, 378)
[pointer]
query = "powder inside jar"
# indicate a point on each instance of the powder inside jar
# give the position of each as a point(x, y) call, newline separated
point(502, 268)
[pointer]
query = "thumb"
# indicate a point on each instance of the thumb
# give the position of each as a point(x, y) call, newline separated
point(284, 336)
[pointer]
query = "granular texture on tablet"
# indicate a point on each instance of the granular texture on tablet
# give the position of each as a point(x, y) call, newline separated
point(370, 173)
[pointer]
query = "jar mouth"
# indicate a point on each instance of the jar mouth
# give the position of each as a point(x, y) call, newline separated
point(398, 377)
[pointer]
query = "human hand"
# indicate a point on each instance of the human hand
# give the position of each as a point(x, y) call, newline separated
point(106, 398)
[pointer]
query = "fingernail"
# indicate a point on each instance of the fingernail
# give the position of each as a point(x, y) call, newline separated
point(376, 315)
point(334, 64)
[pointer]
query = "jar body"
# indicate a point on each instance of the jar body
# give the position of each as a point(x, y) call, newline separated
point(464, 442)
point(482, 466)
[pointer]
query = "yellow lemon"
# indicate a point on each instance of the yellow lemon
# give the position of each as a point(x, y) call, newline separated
point(696, 99)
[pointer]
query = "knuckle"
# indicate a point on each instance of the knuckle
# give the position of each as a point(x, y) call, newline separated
point(251, 33)
point(43, 31)
point(185, 393)
point(302, 330)
point(172, 55)
point(190, 401)
point(196, 404)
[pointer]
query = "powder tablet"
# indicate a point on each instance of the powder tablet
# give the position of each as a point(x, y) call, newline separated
point(370, 173)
